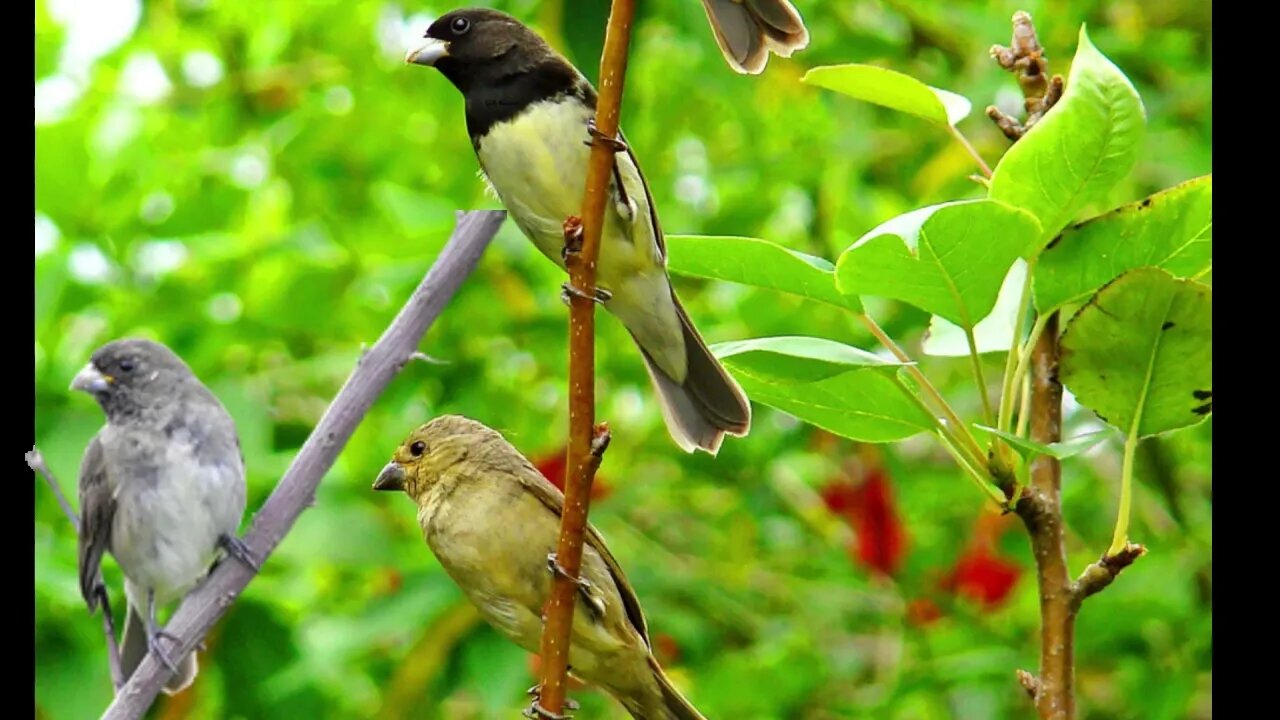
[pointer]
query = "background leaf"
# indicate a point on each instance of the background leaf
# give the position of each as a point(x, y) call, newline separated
point(801, 359)
point(750, 261)
point(893, 90)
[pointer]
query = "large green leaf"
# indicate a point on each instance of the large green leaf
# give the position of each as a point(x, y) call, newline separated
point(893, 90)
point(801, 359)
point(993, 333)
point(751, 261)
point(1140, 353)
point(1079, 149)
point(867, 405)
point(948, 259)
point(1172, 229)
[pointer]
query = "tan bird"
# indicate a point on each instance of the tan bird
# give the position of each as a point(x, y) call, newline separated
point(492, 521)
point(747, 30)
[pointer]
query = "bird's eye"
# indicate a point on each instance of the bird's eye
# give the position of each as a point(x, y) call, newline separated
point(418, 448)
point(460, 25)
point(126, 365)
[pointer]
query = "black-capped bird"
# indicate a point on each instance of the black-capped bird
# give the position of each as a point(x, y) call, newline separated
point(748, 30)
point(161, 488)
point(492, 520)
point(528, 112)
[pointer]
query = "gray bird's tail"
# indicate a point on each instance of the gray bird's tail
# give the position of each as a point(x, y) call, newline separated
point(746, 30)
point(133, 647)
point(708, 404)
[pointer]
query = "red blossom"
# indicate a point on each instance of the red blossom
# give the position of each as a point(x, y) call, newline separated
point(880, 541)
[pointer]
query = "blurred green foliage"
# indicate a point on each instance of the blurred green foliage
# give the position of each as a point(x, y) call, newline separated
point(260, 185)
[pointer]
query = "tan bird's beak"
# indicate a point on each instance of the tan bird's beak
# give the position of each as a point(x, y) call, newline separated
point(428, 53)
point(391, 477)
point(91, 380)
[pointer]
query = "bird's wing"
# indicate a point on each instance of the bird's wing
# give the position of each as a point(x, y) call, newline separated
point(648, 196)
point(97, 508)
point(550, 496)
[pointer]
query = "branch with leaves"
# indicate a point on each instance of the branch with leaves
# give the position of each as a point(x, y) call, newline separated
point(296, 490)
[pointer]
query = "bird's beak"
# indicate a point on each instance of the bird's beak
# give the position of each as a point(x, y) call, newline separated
point(91, 380)
point(391, 477)
point(428, 53)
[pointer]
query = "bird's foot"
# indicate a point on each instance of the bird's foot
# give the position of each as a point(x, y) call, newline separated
point(594, 603)
point(612, 143)
point(154, 636)
point(237, 549)
point(569, 290)
point(535, 711)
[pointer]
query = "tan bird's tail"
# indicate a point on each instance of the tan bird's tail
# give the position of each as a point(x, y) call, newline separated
point(658, 701)
point(133, 647)
point(746, 30)
point(708, 404)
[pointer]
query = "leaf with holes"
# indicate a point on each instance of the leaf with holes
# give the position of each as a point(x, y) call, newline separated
point(1172, 229)
point(1140, 353)
point(947, 259)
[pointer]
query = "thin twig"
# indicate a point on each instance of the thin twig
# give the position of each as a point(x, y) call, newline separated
point(581, 263)
point(969, 148)
point(204, 605)
point(35, 461)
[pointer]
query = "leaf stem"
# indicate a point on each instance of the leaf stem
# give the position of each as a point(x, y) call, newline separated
point(1018, 353)
point(1024, 361)
point(964, 437)
point(972, 473)
point(976, 364)
point(1121, 537)
point(973, 152)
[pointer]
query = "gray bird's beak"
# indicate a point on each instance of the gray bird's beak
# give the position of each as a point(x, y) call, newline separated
point(391, 477)
point(91, 380)
point(428, 53)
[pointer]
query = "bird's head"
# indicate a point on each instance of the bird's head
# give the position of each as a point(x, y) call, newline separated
point(131, 373)
point(437, 447)
point(477, 46)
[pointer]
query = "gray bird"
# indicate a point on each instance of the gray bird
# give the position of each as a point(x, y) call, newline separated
point(161, 488)
point(748, 30)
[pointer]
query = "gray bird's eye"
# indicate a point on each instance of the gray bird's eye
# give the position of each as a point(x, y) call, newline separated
point(418, 448)
point(460, 25)
point(126, 365)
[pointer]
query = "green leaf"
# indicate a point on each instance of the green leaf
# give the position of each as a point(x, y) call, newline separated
point(750, 261)
point(1029, 449)
point(1172, 229)
point(797, 359)
point(993, 333)
point(891, 89)
point(947, 259)
point(865, 405)
point(1079, 149)
point(1140, 353)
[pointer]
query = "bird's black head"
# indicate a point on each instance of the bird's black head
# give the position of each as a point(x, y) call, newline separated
point(128, 374)
point(481, 48)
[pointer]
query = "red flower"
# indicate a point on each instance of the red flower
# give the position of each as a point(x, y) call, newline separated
point(923, 611)
point(551, 465)
point(979, 573)
point(869, 508)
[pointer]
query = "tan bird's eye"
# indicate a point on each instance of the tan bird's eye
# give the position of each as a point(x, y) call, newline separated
point(418, 448)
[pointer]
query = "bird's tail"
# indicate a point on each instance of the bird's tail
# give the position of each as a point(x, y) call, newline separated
point(746, 30)
point(708, 404)
point(133, 647)
point(659, 700)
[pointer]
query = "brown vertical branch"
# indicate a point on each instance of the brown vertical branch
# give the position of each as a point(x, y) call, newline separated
point(582, 457)
point(1041, 512)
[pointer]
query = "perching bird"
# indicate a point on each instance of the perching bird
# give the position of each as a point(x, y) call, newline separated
point(492, 520)
point(528, 112)
point(161, 488)
point(747, 30)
